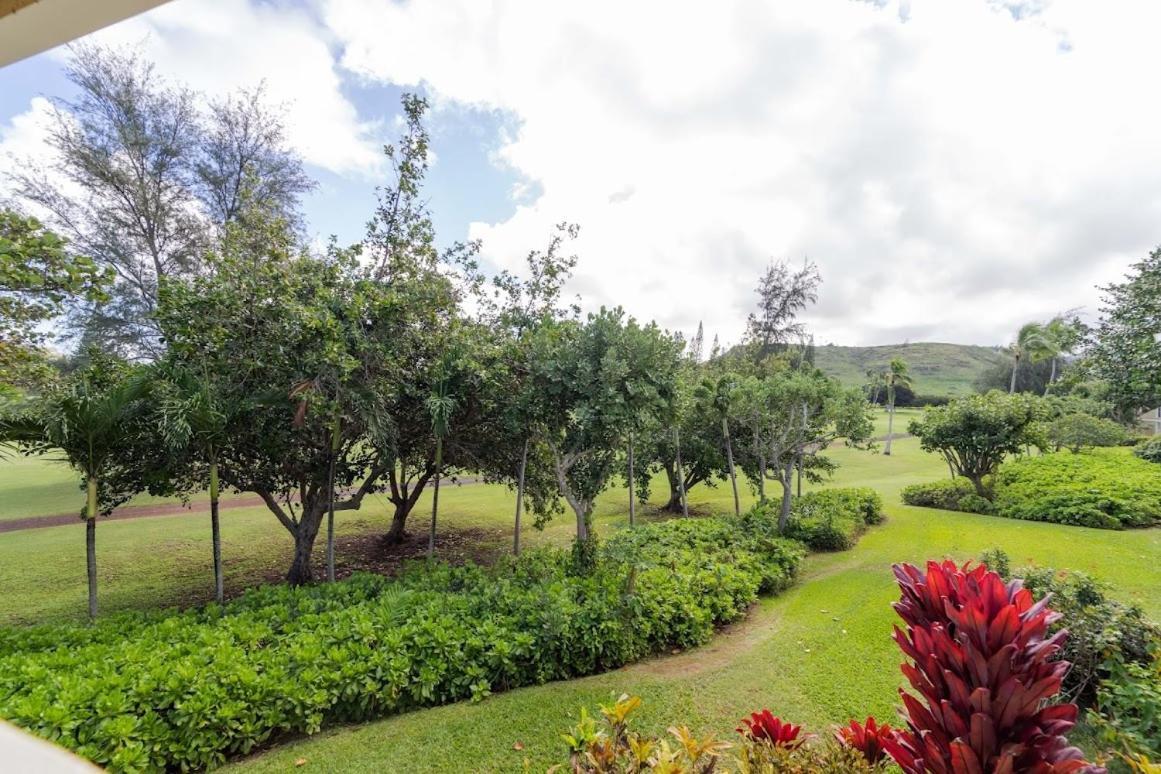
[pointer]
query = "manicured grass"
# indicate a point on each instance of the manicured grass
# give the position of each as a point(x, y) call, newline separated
point(818, 654)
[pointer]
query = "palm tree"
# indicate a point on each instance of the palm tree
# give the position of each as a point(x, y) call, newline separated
point(1061, 337)
point(88, 421)
point(440, 406)
point(193, 420)
point(896, 375)
point(1031, 344)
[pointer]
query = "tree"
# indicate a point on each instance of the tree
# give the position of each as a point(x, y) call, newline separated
point(794, 415)
point(39, 275)
point(975, 433)
point(1125, 348)
point(87, 420)
point(596, 381)
point(782, 294)
point(1031, 344)
point(895, 376)
point(440, 406)
point(1079, 431)
point(141, 180)
point(1062, 334)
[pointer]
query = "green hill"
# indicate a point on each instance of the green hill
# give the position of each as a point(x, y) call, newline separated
point(937, 369)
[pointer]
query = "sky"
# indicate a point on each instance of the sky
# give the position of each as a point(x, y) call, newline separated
point(954, 167)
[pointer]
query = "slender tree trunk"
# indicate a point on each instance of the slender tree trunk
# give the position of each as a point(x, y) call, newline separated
point(680, 473)
point(632, 498)
point(890, 424)
point(730, 461)
point(216, 531)
point(435, 497)
point(520, 498)
point(759, 451)
point(91, 545)
point(1015, 368)
point(331, 520)
point(785, 479)
point(1051, 376)
point(798, 465)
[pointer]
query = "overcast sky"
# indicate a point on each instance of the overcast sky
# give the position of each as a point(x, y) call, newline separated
point(954, 167)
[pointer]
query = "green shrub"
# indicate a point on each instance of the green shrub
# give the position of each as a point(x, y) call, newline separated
point(1108, 489)
point(949, 495)
point(187, 690)
point(996, 559)
point(1084, 431)
point(831, 519)
point(1150, 450)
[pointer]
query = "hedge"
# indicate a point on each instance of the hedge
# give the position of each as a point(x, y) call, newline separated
point(1149, 450)
point(828, 519)
point(948, 494)
point(188, 690)
point(1104, 488)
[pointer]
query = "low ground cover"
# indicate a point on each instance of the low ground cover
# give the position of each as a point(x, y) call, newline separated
point(152, 692)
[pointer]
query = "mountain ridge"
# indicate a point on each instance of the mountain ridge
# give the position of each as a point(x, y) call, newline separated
point(937, 368)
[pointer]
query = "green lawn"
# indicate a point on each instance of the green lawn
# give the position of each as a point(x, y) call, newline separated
point(818, 654)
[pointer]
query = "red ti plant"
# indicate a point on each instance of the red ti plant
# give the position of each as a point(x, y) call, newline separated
point(765, 727)
point(981, 666)
point(869, 739)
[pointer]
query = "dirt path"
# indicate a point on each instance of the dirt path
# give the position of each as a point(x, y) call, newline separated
point(162, 509)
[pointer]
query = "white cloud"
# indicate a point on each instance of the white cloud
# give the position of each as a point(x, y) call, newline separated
point(217, 47)
point(955, 167)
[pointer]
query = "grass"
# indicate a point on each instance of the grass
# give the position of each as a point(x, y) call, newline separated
point(937, 369)
point(819, 654)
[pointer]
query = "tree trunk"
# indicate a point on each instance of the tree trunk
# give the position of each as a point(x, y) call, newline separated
point(785, 479)
point(730, 461)
point(435, 497)
point(520, 499)
point(398, 521)
point(304, 536)
point(680, 473)
point(890, 425)
point(1051, 376)
point(978, 483)
point(91, 545)
point(1015, 368)
point(672, 477)
point(632, 503)
point(331, 520)
point(798, 467)
point(216, 532)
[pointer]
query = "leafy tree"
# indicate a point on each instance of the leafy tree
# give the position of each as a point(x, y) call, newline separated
point(1125, 348)
point(975, 433)
point(38, 276)
point(596, 381)
point(794, 415)
point(147, 178)
point(86, 419)
point(1063, 334)
point(1078, 431)
point(895, 376)
point(782, 293)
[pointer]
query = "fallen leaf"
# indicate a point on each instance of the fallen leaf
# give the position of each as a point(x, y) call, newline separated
point(518, 746)
point(300, 762)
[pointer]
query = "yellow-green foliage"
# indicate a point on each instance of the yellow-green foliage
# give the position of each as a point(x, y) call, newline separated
point(1105, 488)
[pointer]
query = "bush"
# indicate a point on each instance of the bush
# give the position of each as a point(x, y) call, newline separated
point(1150, 450)
point(187, 690)
point(1084, 431)
point(826, 520)
point(949, 495)
point(1108, 489)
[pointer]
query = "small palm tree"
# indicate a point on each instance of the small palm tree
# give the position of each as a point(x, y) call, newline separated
point(440, 406)
point(193, 419)
point(88, 421)
point(895, 376)
point(1061, 337)
point(1031, 344)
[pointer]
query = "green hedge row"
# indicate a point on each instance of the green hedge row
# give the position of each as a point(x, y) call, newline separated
point(188, 690)
point(949, 495)
point(828, 519)
point(1104, 488)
